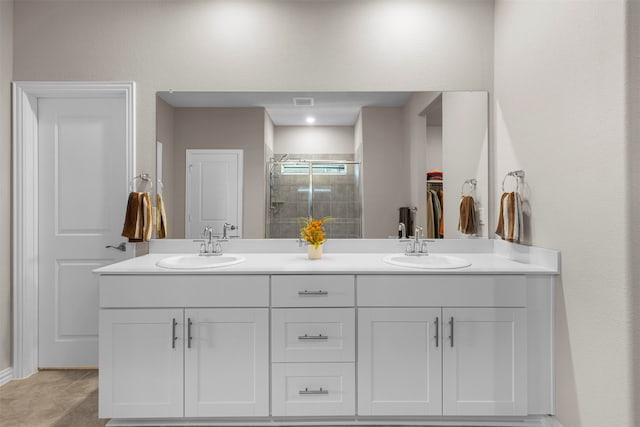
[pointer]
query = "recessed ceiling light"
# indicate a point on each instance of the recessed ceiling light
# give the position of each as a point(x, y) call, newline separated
point(310, 120)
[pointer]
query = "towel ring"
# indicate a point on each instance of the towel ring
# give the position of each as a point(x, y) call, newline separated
point(144, 177)
point(472, 186)
point(516, 175)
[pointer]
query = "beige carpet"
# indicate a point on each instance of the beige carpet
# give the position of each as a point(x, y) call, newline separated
point(51, 399)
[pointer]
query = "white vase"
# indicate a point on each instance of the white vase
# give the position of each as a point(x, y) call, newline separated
point(313, 252)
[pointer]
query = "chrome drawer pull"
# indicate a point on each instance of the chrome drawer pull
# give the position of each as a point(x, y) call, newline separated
point(313, 337)
point(307, 391)
point(312, 293)
point(173, 332)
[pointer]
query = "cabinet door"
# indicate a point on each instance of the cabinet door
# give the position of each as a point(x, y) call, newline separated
point(399, 361)
point(227, 362)
point(484, 365)
point(141, 363)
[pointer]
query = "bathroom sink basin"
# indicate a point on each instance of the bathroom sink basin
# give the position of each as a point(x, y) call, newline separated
point(432, 261)
point(195, 261)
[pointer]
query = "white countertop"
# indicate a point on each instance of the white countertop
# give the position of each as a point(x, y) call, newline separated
point(331, 263)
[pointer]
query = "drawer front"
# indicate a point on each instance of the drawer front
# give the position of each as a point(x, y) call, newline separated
point(313, 389)
point(313, 335)
point(441, 291)
point(184, 291)
point(312, 291)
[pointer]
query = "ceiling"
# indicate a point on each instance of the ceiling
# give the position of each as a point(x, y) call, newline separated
point(329, 108)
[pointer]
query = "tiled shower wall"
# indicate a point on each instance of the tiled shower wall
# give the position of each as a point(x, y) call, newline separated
point(337, 196)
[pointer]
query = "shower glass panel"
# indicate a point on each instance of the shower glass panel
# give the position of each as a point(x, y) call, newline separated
point(300, 188)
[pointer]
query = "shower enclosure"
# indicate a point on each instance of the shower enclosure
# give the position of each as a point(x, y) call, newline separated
point(313, 187)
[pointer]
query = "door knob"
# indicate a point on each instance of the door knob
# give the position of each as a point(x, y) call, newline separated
point(121, 247)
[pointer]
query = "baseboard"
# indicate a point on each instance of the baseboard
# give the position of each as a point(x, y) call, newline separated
point(6, 375)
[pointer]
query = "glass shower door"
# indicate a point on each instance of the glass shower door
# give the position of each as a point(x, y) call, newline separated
point(314, 188)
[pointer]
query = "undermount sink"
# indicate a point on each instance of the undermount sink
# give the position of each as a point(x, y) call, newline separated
point(195, 261)
point(431, 261)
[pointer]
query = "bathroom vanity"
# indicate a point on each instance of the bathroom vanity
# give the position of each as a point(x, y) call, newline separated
point(349, 339)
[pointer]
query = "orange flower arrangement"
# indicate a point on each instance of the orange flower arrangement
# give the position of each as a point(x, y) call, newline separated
point(312, 230)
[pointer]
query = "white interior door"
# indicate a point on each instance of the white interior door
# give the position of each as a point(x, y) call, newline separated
point(214, 191)
point(82, 198)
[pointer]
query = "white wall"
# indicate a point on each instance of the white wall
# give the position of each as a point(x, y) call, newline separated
point(559, 111)
point(313, 139)
point(6, 68)
point(165, 118)
point(465, 150)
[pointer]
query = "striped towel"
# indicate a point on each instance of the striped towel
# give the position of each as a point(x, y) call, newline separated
point(510, 226)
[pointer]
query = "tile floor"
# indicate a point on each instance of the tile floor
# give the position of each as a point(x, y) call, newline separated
point(66, 398)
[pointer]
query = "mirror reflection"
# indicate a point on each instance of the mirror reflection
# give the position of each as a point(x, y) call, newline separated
point(258, 161)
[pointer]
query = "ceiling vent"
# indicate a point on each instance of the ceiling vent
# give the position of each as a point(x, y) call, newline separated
point(303, 101)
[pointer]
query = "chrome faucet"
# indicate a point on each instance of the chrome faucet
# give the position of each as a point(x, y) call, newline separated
point(210, 246)
point(416, 246)
point(225, 228)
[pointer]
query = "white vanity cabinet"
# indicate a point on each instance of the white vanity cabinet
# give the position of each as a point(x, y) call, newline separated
point(162, 362)
point(465, 356)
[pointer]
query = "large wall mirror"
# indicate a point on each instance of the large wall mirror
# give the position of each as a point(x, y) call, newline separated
point(262, 160)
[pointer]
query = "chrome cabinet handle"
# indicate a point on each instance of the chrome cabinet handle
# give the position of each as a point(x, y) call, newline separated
point(173, 332)
point(189, 337)
point(319, 391)
point(437, 337)
point(313, 337)
point(308, 293)
point(451, 336)
point(121, 247)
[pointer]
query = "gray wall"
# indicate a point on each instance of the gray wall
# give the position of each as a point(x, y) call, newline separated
point(240, 45)
point(385, 181)
point(634, 190)
point(560, 114)
point(223, 128)
point(6, 66)
point(166, 135)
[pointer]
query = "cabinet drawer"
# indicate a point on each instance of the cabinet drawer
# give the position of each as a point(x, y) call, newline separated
point(313, 335)
point(312, 291)
point(441, 291)
point(184, 291)
point(313, 389)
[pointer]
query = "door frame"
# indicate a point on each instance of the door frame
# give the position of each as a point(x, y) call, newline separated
point(24, 227)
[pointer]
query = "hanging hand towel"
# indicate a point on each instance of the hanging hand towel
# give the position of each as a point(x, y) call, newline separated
point(161, 220)
point(467, 223)
point(510, 224)
point(138, 220)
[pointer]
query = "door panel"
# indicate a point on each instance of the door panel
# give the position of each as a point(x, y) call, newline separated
point(399, 361)
point(214, 191)
point(485, 368)
point(227, 362)
point(82, 179)
point(141, 373)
